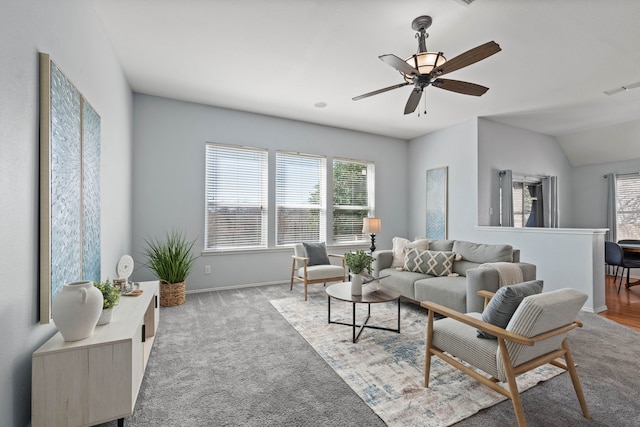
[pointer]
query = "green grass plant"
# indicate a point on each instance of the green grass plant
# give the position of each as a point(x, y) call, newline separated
point(170, 258)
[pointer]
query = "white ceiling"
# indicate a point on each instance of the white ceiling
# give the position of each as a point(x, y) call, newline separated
point(280, 57)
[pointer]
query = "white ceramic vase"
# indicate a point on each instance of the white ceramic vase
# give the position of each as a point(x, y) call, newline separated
point(76, 309)
point(105, 316)
point(356, 284)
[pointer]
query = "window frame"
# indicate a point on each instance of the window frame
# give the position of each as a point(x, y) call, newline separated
point(241, 176)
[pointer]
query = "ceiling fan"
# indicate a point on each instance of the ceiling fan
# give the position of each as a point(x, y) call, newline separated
point(425, 68)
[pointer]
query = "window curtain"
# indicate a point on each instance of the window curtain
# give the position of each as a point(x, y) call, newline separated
point(550, 201)
point(506, 198)
point(611, 207)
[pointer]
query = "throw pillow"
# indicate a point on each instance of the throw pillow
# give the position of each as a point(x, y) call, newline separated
point(317, 253)
point(505, 302)
point(435, 263)
point(399, 246)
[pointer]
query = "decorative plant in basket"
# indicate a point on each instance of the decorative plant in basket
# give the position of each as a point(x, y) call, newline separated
point(110, 298)
point(171, 260)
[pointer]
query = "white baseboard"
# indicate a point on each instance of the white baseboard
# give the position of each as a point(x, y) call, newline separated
point(246, 285)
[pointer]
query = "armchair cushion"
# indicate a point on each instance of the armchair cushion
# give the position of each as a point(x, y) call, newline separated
point(317, 253)
point(505, 302)
point(317, 272)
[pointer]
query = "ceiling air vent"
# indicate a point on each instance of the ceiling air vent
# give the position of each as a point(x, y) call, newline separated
point(622, 88)
point(465, 2)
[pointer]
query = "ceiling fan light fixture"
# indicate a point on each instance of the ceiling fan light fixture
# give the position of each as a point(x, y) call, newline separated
point(424, 62)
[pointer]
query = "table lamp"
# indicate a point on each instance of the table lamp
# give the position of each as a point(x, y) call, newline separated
point(371, 226)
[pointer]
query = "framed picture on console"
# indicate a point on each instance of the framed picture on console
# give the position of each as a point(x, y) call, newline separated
point(69, 185)
point(436, 197)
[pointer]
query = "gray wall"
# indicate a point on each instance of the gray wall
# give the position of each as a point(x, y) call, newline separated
point(589, 190)
point(501, 147)
point(168, 181)
point(456, 148)
point(71, 33)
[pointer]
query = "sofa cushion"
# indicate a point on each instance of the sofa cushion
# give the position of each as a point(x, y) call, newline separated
point(505, 302)
point(448, 291)
point(441, 245)
point(435, 263)
point(317, 253)
point(402, 281)
point(462, 266)
point(399, 245)
point(481, 253)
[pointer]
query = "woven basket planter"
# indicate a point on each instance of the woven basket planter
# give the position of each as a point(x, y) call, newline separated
point(172, 294)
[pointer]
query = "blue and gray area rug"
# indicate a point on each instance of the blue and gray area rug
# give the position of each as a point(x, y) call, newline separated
point(386, 369)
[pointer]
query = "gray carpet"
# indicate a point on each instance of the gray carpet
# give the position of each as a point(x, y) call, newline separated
point(228, 358)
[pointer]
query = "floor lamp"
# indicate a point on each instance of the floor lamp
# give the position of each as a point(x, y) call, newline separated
point(372, 226)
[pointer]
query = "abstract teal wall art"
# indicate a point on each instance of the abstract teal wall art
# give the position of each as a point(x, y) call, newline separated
point(437, 203)
point(69, 186)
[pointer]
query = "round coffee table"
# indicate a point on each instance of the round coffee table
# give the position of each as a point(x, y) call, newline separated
point(372, 293)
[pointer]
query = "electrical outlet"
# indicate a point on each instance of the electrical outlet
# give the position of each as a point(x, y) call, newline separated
point(207, 269)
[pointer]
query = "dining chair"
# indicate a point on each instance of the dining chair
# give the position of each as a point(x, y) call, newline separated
point(614, 255)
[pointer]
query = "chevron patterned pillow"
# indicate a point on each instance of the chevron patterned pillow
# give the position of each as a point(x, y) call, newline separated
point(435, 263)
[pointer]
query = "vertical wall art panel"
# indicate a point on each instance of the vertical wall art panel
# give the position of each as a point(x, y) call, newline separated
point(437, 203)
point(66, 263)
point(90, 193)
point(69, 186)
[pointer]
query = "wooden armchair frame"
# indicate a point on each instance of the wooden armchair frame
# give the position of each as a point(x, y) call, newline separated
point(511, 372)
point(305, 277)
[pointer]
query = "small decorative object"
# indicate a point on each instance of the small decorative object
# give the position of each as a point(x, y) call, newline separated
point(110, 297)
point(358, 262)
point(76, 310)
point(171, 260)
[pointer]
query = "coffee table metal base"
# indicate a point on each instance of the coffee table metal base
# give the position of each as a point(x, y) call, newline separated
point(364, 324)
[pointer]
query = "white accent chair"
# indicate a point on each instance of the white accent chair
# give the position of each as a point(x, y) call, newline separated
point(310, 274)
point(534, 336)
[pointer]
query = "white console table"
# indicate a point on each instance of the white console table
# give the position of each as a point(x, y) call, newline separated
point(97, 379)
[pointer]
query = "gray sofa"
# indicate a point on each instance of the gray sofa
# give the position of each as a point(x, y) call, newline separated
point(458, 293)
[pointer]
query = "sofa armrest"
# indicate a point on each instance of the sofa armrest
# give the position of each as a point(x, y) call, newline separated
point(382, 259)
point(487, 279)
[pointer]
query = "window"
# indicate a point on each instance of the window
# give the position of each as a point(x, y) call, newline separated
point(628, 206)
point(236, 197)
point(300, 198)
point(353, 189)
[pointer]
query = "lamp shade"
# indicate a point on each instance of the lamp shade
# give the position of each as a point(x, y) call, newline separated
point(371, 225)
point(424, 62)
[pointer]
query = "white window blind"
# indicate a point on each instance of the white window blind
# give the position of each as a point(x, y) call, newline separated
point(236, 197)
point(353, 199)
point(628, 206)
point(300, 198)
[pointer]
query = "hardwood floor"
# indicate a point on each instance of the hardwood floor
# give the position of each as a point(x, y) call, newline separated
point(624, 307)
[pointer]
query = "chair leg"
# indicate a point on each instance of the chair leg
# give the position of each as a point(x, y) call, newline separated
point(574, 379)
point(305, 290)
point(621, 277)
point(514, 394)
point(427, 353)
point(293, 270)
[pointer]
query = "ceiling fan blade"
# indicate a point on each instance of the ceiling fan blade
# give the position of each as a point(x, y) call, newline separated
point(398, 64)
point(472, 56)
point(413, 101)
point(375, 92)
point(460, 87)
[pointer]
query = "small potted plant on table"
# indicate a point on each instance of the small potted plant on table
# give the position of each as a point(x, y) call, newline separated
point(358, 262)
point(110, 298)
